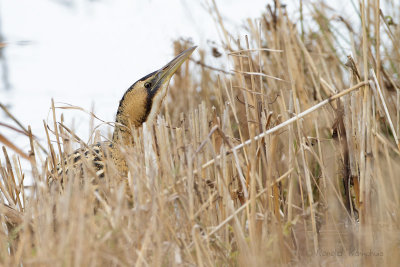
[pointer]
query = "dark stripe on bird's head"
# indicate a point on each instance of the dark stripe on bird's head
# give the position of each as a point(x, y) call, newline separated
point(155, 86)
point(145, 77)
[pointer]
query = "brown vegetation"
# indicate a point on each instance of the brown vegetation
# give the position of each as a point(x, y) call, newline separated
point(318, 184)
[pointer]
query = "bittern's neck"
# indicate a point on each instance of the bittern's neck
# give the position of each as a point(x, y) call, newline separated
point(122, 135)
point(133, 110)
point(122, 138)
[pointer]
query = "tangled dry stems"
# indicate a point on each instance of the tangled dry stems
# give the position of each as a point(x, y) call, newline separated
point(317, 185)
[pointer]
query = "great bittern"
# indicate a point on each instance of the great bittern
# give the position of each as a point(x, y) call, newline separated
point(140, 103)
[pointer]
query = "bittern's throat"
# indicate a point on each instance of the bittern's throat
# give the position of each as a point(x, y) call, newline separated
point(142, 101)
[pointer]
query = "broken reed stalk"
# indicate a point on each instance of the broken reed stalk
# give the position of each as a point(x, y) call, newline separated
point(287, 122)
point(168, 220)
point(383, 102)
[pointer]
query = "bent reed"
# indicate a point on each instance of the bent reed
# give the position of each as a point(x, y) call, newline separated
point(288, 155)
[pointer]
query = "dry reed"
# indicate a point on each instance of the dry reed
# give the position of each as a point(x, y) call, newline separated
point(290, 158)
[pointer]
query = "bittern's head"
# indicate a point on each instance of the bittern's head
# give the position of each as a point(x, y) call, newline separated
point(143, 100)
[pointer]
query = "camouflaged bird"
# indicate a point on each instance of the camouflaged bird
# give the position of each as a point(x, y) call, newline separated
point(140, 103)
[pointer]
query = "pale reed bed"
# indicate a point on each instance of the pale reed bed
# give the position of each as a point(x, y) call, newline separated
point(289, 158)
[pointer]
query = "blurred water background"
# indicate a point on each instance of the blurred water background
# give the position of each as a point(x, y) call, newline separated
point(88, 52)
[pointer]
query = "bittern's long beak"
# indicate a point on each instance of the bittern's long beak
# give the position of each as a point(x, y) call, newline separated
point(164, 74)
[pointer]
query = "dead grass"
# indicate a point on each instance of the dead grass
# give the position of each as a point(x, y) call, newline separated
point(317, 185)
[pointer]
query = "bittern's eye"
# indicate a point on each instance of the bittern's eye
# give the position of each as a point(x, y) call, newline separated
point(147, 85)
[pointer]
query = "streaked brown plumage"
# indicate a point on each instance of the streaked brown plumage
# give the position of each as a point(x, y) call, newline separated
point(140, 103)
